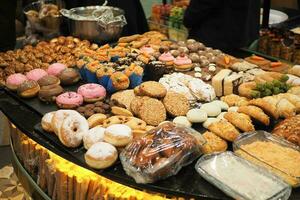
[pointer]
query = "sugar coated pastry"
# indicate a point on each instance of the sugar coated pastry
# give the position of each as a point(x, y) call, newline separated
point(47, 121)
point(28, 89)
point(69, 100)
point(36, 74)
point(55, 68)
point(72, 130)
point(182, 120)
point(93, 136)
point(58, 118)
point(92, 92)
point(196, 115)
point(222, 104)
point(118, 135)
point(13, 81)
point(209, 121)
point(211, 109)
point(101, 155)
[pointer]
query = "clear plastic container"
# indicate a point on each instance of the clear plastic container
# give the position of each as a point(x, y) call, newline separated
point(241, 179)
point(271, 152)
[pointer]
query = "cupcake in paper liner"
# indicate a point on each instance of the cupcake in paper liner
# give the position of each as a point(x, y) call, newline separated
point(103, 74)
point(102, 56)
point(117, 81)
point(90, 71)
point(135, 74)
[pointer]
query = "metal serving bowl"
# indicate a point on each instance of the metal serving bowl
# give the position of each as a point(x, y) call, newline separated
point(84, 23)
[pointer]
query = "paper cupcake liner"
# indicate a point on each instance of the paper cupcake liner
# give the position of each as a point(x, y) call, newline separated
point(135, 80)
point(90, 76)
point(82, 73)
point(110, 88)
point(103, 80)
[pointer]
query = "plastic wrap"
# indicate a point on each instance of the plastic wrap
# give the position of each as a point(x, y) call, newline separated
point(241, 179)
point(106, 18)
point(161, 153)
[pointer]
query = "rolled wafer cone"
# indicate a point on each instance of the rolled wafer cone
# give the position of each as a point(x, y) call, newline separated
point(58, 184)
point(90, 190)
point(83, 188)
point(77, 182)
point(63, 185)
point(70, 186)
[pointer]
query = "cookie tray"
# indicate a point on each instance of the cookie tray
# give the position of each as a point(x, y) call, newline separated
point(264, 136)
point(264, 185)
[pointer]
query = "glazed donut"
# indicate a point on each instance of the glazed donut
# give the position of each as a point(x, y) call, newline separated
point(92, 92)
point(69, 76)
point(93, 136)
point(58, 118)
point(13, 81)
point(118, 135)
point(46, 121)
point(245, 89)
point(69, 100)
point(50, 92)
point(101, 155)
point(72, 130)
point(48, 80)
point(28, 89)
point(36, 74)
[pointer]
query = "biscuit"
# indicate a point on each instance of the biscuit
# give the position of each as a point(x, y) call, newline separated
point(115, 120)
point(182, 120)
point(120, 111)
point(153, 89)
point(123, 98)
point(213, 143)
point(176, 104)
point(152, 111)
point(135, 123)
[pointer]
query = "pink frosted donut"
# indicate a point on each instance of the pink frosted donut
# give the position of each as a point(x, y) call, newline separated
point(69, 100)
point(55, 69)
point(92, 92)
point(36, 74)
point(13, 81)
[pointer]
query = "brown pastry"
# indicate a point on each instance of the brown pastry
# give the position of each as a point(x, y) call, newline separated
point(235, 100)
point(285, 108)
point(50, 92)
point(256, 113)
point(69, 76)
point(268, 105)
point(224, 129)
point(153, 89)
point(289, 129)
point(213, 143)
point(240, 120)
point(123, 98)
point(28, 89)
point(176, 104)
point(48, 80)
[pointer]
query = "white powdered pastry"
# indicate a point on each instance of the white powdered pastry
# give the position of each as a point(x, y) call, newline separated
point(119, 130)
point(196, 115)
point(181, 120)
point(249, 182)
point(101, 150)
point(193, 88)
point(209, 121)
point(211, 109)
point(93, 136)
point(222, 104)
point(293, 80)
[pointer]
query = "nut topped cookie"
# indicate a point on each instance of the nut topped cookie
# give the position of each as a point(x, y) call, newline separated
point(176, 104)
point(152, 111)
point(153, 89)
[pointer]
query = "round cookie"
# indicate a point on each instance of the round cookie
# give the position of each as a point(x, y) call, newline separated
point(96, 119)
point(120, 111)
point(211, 109)
point(182, 120)
point(176, 104)
point(196, 115)
point(152, 111)
point(153, 89)
point(115, 120)
point(136, 104)
point(136, 124)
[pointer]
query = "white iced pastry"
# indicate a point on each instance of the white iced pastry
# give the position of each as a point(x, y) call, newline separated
point(209, 121)
point(211, 109)
point(233, 109)
point(222, 104)
point(182, 120)
point(196, 115)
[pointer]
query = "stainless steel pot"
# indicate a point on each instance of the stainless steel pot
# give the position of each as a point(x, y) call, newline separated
point(84, 23)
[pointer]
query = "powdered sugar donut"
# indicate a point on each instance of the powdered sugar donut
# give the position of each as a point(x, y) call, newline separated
point(69, 100)
point(92, 92)
point(72, 130)
point(101, 155)
point(93, 136)
point(56, 68)
point(47, 121)
point(36, 74)
point(13, 81)
point(58, 118)
point(118, 135)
